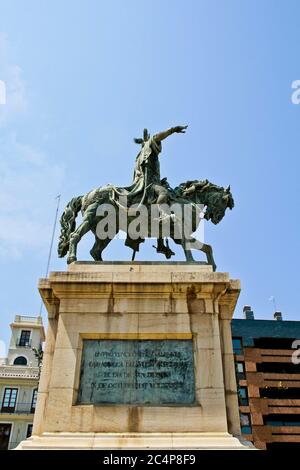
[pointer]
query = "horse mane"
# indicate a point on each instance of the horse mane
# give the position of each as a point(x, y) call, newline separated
point(205, 186)
point(200, 186)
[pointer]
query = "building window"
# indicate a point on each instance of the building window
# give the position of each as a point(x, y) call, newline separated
point(29, 430)
point(9, 400)
point(282, 420)
point(237, 345)
point(5, 429)
point(33, 401)
point(273, 343)
point(280, 392)
point(240, 370)
point(20, 361)
point(24, 340)
point(278, 367)
point(245, 423)
point(243, 396)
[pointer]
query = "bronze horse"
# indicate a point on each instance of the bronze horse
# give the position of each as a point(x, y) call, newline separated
point(213, 198)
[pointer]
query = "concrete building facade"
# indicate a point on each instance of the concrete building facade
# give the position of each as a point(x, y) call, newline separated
point(19, 377)
point(268, 378)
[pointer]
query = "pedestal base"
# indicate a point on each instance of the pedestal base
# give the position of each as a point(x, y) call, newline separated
point(170, 328)
point(134, 441)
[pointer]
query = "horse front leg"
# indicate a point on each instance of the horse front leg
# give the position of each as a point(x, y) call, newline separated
point(207, 249)
point(187, 251)
point(190, 243)
point(75, 238)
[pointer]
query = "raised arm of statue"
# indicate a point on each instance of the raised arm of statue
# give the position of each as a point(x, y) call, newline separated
point(163, 135)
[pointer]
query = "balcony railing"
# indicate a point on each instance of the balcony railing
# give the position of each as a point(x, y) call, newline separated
point(23, 372)
point(28, 319)
point(20, 408)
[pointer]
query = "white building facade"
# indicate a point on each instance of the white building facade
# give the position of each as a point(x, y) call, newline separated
point(19, 377)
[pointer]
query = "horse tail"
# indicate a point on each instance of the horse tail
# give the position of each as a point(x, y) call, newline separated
point(68, 224)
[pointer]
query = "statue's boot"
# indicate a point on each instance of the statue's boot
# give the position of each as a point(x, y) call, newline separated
point(164, 249)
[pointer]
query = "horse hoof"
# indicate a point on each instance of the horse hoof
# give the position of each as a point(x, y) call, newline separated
point(71, 259)
point(95, 257)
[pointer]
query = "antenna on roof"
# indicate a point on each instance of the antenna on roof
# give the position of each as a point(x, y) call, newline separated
point(272, 299)
point(51, 246)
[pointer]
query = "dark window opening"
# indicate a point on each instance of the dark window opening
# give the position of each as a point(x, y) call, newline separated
point(237, 345)
point(273, 343)
point(246, 427)
point(5, 430)
point(282, 420)
point(280, 392)
point(240, 371)
point(9, 400)
point(243, 396)
point(278, 367)
point(24, 340)
point(33, 402)
point(29, 430)
point(20, 361)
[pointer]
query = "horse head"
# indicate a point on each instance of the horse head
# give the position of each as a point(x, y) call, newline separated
point(215, 198)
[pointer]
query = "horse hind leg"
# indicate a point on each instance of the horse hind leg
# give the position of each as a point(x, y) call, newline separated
point(86, 225)
point(75, 238)
point(98, 247)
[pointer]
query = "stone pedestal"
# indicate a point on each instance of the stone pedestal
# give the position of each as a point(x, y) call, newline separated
point(141, 302)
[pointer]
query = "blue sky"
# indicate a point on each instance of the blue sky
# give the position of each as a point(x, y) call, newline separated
point(85, 77)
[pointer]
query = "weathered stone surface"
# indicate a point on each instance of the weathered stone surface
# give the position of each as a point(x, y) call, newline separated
point(192, 307)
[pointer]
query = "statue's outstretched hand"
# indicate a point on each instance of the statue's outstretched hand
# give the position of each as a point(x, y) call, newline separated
point(163, 135)
point(180, 129)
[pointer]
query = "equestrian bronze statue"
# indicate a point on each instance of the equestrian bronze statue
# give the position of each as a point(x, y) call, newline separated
point(174, 213)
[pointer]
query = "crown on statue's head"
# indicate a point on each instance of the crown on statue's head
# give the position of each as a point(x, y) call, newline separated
point(146, 136)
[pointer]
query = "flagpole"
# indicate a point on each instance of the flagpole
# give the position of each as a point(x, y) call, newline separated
point(51, 245)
